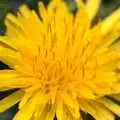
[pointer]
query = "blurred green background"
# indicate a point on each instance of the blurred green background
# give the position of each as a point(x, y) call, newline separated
point(6, 6)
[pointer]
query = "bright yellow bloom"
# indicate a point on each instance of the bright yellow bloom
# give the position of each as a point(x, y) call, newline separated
point(60, 63)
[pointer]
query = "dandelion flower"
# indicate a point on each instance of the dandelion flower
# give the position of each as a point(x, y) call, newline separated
point(60, 63)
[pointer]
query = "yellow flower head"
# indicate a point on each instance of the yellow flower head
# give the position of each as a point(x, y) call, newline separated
point(60, 64)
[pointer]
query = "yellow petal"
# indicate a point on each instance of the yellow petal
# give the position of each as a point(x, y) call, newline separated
point(42, 10)
point(42, 108)
point(92, 7)
point(68, 100)
point(110, 22)
point(29, 105)
point(11, 100)
point(38, 111)
point(27, 111)
point(25, 11)
point(64, 113)
point(47, 113)
point(59, 110)
point(98, 111)
point(71, 104)
point(111, 105)
point(7, 74)
point(41, 98)
point(8, 56)
point(14, 28)
point(115, 96)
point(80, 2)
point(7, 43)
point(103, 58)
point(25, 99)
point(116, 45)
point(51, 114)
point(3, 89)
point(11, 79)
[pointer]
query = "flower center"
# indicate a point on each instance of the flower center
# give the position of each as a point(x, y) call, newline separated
point(53, 73)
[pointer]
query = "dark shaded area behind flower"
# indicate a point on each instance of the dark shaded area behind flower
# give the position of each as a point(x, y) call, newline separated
point(6, 6)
